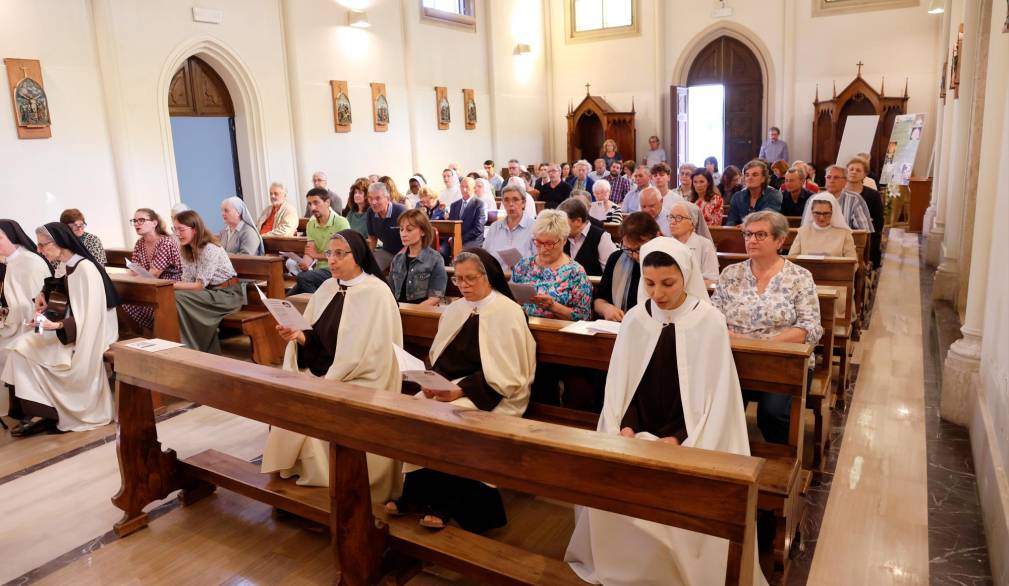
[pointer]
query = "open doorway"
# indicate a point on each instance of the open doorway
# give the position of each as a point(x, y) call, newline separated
point(202, 118)
point(705, 121)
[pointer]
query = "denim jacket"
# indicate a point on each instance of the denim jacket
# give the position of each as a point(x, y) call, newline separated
point(427, 277)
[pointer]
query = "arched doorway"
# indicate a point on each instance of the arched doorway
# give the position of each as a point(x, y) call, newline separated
point(202, 117)
point(724, 69)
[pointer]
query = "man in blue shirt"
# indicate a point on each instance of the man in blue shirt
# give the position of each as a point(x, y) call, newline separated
point(773, 148)
point(757, 195)
point(383, 224)
point(632, 199)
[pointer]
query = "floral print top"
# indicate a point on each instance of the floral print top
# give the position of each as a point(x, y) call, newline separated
point(712, 210)
point(789, 301)
point(166, 257)
point(568, 285)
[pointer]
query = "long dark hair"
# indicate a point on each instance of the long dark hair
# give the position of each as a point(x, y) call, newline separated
point(710, 192)
point(201, 236)
point(361, 184)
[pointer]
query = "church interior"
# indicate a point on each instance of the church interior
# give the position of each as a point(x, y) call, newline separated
point(893, 461)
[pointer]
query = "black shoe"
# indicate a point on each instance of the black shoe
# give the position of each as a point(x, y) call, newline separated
point(29, 428)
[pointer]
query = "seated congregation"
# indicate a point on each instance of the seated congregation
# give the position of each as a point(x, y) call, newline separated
point(496, 261)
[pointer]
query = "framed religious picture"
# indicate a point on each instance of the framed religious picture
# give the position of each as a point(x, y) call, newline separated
point(28, 97)
point(442, 108)
point(380, 107)
point(469, 108)
point(954, 69)
point(341, 106)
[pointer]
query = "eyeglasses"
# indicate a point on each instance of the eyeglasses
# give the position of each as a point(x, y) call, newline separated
point(823, 214)
point(79, 225)
point(546, 243)
point(678, 219)
point(758, 236)
point(45, 244)
point(469, 280)
point(633, 251)
point(337, 254)
point(140, 221)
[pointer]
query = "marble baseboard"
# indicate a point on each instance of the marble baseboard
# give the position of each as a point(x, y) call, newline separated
point(992, 488)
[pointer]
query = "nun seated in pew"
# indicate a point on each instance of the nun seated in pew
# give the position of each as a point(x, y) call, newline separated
point(56, 367)
point(484, 345)
point(672, 379)
point(240, 234)
point(824, 230)
point(687, 225)
point(355, 324)
point(209, 288)
point(23, 272)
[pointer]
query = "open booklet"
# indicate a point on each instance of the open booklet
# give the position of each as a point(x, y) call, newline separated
point(522, 292)
point(139, 270)
point(286, 314)
point(510, 256)
point(414, 370)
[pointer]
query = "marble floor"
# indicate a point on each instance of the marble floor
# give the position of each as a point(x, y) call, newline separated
point(895, 504)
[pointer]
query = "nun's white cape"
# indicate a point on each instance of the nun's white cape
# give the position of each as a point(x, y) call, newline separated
point(23, 280)
point(617, 550)
point(69, 377)
point(507, 351)
point(369, 327)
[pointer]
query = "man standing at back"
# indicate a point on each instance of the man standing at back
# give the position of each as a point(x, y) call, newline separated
point(321, 181)
point(324, 223)
point(496, 181)
point(774, 149)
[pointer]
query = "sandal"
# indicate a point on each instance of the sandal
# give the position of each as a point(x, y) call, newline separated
point(33, 427)
point(441, 523)
point(399, 508)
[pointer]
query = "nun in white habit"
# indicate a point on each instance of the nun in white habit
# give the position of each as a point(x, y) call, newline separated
point(58, 374)
point(355, 325)
point(671, 379)
point(484, 345)
point(451, 193)
point(23, 272)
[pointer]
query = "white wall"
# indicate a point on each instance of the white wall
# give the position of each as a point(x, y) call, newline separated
point(39, 178)
point(798, 52)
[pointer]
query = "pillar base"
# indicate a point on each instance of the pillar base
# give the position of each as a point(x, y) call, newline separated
point(933, 245)
point(947, 281)
point(960, 378)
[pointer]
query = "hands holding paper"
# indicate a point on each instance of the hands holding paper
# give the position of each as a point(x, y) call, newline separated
point(289, 334)
point(444, 396)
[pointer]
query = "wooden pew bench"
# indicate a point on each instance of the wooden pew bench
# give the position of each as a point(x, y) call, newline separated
point(253, 320)
point(450, 229)
point(761, 366)
point(708, 492)
point(452, 291)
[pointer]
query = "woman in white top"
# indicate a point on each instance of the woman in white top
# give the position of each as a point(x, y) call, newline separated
point(672, 379)
point(240, 234)
point(603, 209)
point(23, 272)
point(688, 226)
point(57, 370)
point(355, 325)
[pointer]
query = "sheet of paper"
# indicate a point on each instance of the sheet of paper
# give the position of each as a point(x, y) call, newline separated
point(579, 327)
point(523, 292)
point(284, 312)
point(431, 380)
point(597, 211)
point(153, 345)
point(811, 256)
point(510, 256)
point(407, 361)
point(139, 270)
point(606, 326)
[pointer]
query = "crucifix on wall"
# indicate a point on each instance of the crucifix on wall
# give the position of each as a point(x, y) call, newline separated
point(28, 97)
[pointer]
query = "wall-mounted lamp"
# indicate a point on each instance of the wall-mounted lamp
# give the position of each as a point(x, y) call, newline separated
point(358, 19)
point(936, 7)
point(522, 48)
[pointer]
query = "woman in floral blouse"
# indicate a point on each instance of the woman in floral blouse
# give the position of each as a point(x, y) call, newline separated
point(74, 218)
point(708, 198)
point(157, 252)
point(562, 287)
point(767, 297)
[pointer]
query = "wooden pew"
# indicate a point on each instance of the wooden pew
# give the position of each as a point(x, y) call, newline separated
point(253, 320)
point(613, 229)
point(450, 229)
point(762, 366)
point(794, 221)
point(302, 224)
point(830, 271)
point(708, 492)
point(159, 294)
point(452, 291)
point(278, 244)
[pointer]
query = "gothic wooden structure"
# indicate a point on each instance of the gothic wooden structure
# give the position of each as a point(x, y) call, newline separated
point(594, 121)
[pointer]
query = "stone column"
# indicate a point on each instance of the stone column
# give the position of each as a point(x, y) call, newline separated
point(947, 275)
point(963, 361)
point(935, 215)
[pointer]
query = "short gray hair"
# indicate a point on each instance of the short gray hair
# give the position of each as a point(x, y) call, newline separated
point(582, 163)
point(800, 171)
point(552, 223)
point(379, 187)
point(778, 222)
point(278, 184)
point(601, 184)
point(513, 187)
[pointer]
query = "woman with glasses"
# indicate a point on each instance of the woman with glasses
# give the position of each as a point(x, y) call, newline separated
point(671, 380)
point(240, 235)
point(157, 252)
point(57, 369)
point(208, 289)
point(618, 289)
point(562, 287)
point(484, 345)
point(687, 226)
point(767, 297)
point(355, 325)
point(417, 273)
point(823, 230)
point(74, 220)
point(23, 272)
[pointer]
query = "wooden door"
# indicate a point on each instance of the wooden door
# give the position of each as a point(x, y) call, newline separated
point(729, 62)
point(590, 136)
